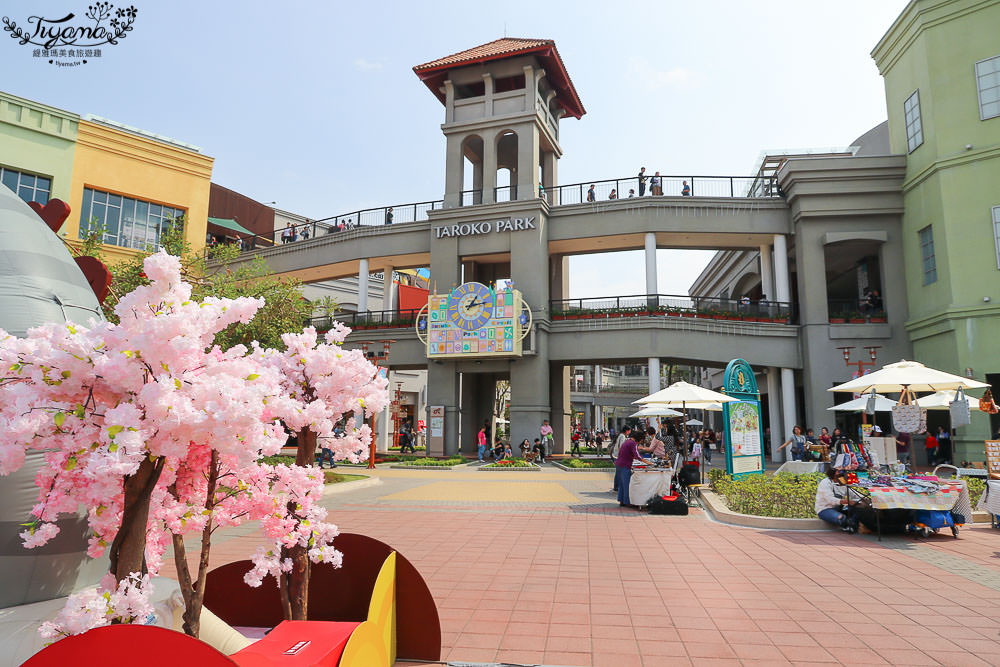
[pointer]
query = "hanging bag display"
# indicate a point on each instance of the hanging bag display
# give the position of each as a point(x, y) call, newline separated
point(959, 409)
point(987, 405)
point(870, 405)
point(907, 417)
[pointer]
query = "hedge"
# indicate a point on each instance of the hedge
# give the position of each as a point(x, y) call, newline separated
point(594, 463)
point(509, 463)
point(786, 496)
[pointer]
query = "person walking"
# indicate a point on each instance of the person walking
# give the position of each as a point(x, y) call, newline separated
point(599, 442)
point(642, 181)
point(591, 194)
point(574, 449)
point(326, 454)
point(388, 216)
point(798, 443)
point(616, 449)
point(685, 189)
point(932, 445)
point(481, 442)
point(944, 445)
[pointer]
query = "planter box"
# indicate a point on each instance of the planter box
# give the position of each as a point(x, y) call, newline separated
point(837, 320)
point(559, 317)
point(878, 320)
point(856, 320)
point(568, 469)
point(615, 314)
point(687, 314)
point(703, 316)
point(673, 313)
point(532, 468)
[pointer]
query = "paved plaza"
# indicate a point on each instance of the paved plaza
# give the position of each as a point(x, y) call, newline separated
point(545, 568)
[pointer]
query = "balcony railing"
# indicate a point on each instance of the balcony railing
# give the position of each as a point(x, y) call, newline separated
point(563, 195)
point(588, 388)
point(854, 311)
point(372, 319)
point(674, 305)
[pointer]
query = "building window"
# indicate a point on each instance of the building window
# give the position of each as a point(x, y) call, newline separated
point(996, 231)
point(988, 83)
point(911, 115)
point(27, 186)
point(127, 222)
point(927, 254)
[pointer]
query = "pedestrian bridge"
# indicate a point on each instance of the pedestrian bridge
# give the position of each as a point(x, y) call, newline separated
point(713, 220)
point(624, 340)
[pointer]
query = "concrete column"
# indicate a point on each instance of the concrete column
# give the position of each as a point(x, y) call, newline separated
point(363, 285)
point(550, 176)
point(442, 389)
point(527, 161)
point(597, 379)
point(767, 273)
point(488, 92)
point(651, 263)
point(598, 421)
point(561, 411)
point(385, 423)
point(388, 290)
point(654, 374)
point(774, 413)
point(781, 276)
point(489, 168)
point(532, 88)
point(787, 406)
point(453, 177)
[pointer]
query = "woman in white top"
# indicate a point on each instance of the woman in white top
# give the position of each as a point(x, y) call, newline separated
point(832, 504)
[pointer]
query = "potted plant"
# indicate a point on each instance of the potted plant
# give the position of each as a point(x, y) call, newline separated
point(687, 313)
point(673, 312)
point(702, 314)
point(878, 318)
point(838, 318)
point(558, 314)
point(856, 318)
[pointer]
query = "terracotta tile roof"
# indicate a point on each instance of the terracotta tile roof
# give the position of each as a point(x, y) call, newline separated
point(488, 51)
point(433, 73)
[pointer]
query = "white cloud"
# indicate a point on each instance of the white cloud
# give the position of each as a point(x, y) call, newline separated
point(367, 65)
point(643, 72)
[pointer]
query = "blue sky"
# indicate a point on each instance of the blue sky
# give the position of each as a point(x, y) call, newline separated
point(315, 106)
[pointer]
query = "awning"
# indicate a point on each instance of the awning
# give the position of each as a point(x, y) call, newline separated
point(231, 225)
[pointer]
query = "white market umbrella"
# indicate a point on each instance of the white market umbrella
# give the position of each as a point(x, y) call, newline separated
point(910, 375)
point(656, 411)
point(713, 407)
point(940, 400)
point(694, 422)
point(882, 404)
point(685, 395)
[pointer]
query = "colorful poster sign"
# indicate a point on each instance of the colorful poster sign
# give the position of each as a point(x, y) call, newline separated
point(744, 428)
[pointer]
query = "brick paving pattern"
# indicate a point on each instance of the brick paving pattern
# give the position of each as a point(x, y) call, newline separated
point(524, 574)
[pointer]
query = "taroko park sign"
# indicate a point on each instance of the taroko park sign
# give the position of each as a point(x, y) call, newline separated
point(494, 226)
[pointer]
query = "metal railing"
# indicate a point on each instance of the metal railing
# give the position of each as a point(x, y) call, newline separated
point(562, 195)
point(372, 319)
point(588, 388)
point(674, 305)
point(669, 186)
point(854, 311)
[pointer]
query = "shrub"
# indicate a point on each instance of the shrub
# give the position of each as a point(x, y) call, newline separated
point(595, 463)
point(331, 477)
point(787, 496)
point(976, 487)
point(433, 463)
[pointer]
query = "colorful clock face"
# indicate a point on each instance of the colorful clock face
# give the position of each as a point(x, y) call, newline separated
point(470, 306)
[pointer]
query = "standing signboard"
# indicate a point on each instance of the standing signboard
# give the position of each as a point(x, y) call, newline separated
point(435, 434)
point(744, 428)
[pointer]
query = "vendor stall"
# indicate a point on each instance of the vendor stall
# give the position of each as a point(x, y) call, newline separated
point(649, 482)
point(990, 502)
point(915, 493)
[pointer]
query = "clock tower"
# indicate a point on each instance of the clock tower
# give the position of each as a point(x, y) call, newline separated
point(503, 104)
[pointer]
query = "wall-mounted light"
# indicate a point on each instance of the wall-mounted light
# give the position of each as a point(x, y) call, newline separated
point(968, 373)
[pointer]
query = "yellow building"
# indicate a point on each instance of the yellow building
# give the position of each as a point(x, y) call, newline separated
point(135, 184)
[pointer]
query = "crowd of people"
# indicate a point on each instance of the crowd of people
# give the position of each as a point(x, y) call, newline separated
point(655, 183)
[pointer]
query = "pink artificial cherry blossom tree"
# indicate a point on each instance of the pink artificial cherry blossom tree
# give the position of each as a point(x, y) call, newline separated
point(159, 434)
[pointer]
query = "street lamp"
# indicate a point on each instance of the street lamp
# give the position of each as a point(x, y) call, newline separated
point(861, 365)
point(375, 358)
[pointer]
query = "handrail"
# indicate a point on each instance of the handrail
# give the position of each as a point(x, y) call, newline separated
point(561, 195)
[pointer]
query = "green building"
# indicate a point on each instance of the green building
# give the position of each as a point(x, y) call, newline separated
point(38, 146)
point(941, 63)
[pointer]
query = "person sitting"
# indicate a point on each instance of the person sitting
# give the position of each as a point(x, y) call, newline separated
point(507, 453)
point(525, 447)
point(539, 449)
point(832, 504)
point(498, 450)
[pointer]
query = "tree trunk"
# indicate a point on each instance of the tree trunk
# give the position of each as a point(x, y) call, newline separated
point(128, 551)
point(194, 592)
point(306, 453)
point(294, 585)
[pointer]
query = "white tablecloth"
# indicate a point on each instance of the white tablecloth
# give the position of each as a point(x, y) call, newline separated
point(990, 500)
point(647, 484)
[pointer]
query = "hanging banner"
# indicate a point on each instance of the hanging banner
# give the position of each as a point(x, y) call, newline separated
point(744, 428)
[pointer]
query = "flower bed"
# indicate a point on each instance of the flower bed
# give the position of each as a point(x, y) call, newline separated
point(509, 464)
point(584, 464)
point(787, 496)
point(427, 462)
